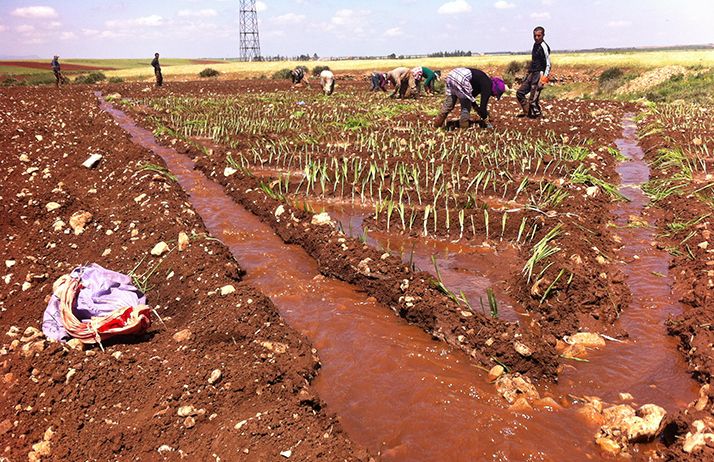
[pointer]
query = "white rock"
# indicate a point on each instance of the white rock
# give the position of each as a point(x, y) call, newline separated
point(321, 219)
point(592, 191)
point(286, 454)
point(159, 249)
point(522, 349)
point(183, 241)
point(9, 263)
point(26, 286)
point(106, 252)
point(165, 448)
point(586, 339)
point(279, 211)
point(92, 161)
point(228, 171)
point(185, 411)
point(215, 376)
point(240, 424)
point(58, 225)
point(139, 198)
point(228, 289)
point(52, 206)
point(78, 221)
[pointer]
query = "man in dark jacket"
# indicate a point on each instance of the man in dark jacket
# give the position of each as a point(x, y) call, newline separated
point(56, 70)
point(465, 84)
point(537, 77)
point(157, 70)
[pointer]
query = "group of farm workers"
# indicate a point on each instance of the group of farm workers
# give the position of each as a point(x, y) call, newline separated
point(327, 78)
point(462, 84)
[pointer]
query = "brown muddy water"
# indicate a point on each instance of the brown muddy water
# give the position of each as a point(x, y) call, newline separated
point(402, 394)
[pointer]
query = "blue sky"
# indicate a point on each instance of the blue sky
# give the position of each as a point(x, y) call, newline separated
point(209, 28)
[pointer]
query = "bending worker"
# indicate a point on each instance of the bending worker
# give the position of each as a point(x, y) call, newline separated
point(379, 81)
point(537, 76)
point(327, 81)
point(465, 84)
point(298, 74)
point(403, 79)
point(431, 77)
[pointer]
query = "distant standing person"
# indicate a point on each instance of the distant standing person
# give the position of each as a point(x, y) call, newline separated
point(465, 84)
point(157, 70)
point(537, 76)
point(327, 81)
point(56, 70)
point(299, 74)
point(379, 81)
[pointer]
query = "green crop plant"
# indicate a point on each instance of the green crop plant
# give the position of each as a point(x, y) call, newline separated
point(541, 251)
point(163, 171)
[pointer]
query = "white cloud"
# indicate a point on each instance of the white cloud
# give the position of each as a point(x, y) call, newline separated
point(207, 13)
point(54, 25)
point(547, 2)
point(619, 23)
point(288, 18)
point(2, 28)
point(502, 5)
point(25, 29)
point(67, 35)
point(394, 32)
point(455, 7)
point(545, 15)
point(35, 12)
point(260, 6)
point(100, 33)
point(144, 21)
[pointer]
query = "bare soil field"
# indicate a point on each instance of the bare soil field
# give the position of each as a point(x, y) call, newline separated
point(355, 181)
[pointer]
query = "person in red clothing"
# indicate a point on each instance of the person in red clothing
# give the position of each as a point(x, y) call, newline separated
point(465, 84)
point(536, 78)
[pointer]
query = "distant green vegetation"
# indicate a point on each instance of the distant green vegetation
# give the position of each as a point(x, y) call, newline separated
point(697, 87)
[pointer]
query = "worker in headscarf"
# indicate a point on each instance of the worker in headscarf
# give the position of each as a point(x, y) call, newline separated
point(465, 84)
point(327, 81)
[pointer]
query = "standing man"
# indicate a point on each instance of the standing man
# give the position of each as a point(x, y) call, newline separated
point(56, 70)
point(465, 84)
point(157, 70)
point(537, 77)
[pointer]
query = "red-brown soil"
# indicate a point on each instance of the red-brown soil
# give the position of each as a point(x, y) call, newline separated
point(122, 404)
point(691, 263)
point(230, 333)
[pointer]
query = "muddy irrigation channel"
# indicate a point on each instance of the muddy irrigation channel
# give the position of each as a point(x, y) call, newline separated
point(471, 295)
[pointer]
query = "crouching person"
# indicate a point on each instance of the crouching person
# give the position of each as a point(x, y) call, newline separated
point(379, 81)
point(465, 84)
point(327, 81)
point(299, 74)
